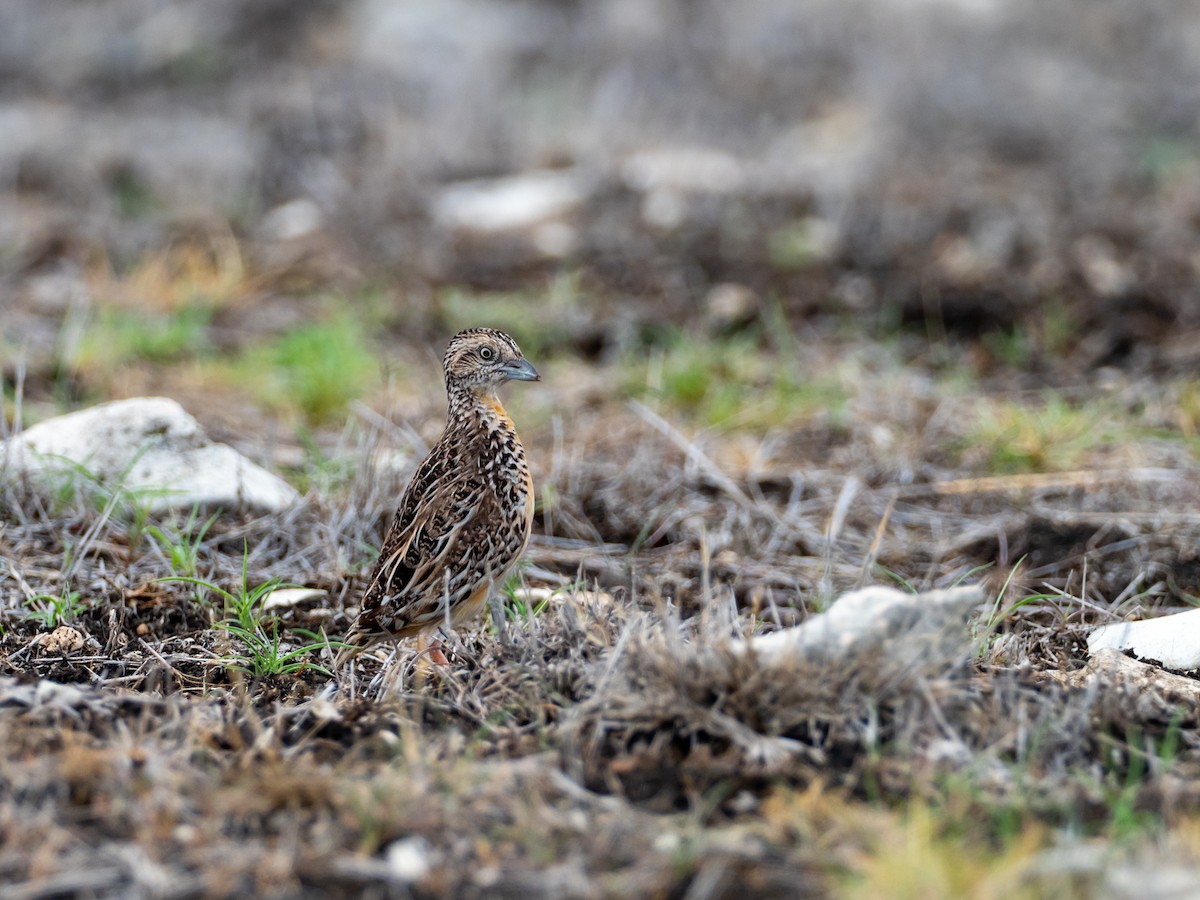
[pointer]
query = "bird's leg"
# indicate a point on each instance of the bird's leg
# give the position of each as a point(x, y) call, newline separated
point(432, 649)
point(437, 655)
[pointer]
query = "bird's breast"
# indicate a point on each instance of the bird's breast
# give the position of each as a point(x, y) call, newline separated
point(502, 457)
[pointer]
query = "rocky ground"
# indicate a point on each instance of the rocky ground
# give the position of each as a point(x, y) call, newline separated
point(823, 296)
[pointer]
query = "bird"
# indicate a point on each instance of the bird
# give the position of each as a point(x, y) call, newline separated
point(465, 517)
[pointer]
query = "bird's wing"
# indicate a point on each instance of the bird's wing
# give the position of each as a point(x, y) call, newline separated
point(433, 538)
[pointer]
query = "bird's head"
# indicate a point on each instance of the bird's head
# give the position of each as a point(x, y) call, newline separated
point(482, 359)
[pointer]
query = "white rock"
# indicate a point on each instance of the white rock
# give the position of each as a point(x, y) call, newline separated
point(1097, 259)
point(554, 238)
point(1173, 641)
point(533, 596)
point(149, 446)
point(728, 305)
point(296, 219)
point(686, 169)
point(513, 203)
point(666, 842)
point(1162, 880)
point(664, 208)
point(286, 598)
point(409, 859)
point(1125, 690)
point(926, 630)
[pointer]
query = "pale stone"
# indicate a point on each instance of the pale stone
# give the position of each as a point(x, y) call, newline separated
point(928, 630)
point(687, 169)
point(149, 447)
point(1173, 641)
point(293, 220)
point(729, 305)
point(512, 203)
point(409, 859)
point(1097, 259)
point(534, 596)
point(1127, 691)
point(286, 598)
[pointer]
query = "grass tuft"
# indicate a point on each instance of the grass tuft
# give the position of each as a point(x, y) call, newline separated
point(1052, 435)
point(734, 382)
point(52, 610)
point(117, 337)
point(315, 370)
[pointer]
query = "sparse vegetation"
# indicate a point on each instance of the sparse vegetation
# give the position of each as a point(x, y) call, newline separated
point(735, 383)
point(119, 336)
point(188, 277)
point(243, 605)
point(265, 655)
point(312, 371)
point(647, 550)
point(820, 299)
point(1042, 436)
point(52, 610)
point(181, 546)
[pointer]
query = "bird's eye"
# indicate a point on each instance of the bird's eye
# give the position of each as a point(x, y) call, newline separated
point(486, 352)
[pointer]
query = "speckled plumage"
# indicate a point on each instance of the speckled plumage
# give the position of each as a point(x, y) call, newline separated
point(464, 518)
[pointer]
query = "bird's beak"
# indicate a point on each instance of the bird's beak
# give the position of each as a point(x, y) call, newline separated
point(520, 370)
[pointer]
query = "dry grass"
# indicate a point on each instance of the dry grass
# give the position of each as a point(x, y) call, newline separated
point(606, 746)
point(969, 354)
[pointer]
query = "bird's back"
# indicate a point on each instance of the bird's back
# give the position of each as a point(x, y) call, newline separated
point(462, 522)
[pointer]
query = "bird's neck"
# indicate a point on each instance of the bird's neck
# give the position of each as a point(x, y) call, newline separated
point(479, 404)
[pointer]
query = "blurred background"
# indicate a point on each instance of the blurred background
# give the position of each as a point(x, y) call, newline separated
point(277, 200)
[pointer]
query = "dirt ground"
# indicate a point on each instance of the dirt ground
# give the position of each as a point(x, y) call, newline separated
point(810, 315)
